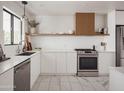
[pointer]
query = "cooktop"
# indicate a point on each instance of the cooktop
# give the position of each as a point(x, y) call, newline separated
point(84, 50)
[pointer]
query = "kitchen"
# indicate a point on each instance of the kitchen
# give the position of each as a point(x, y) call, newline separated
point(61, 42)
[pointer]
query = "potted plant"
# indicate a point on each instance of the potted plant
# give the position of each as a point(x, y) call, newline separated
point(33, 24)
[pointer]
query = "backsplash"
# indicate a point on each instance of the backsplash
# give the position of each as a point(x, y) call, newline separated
point(10, 50)
point(66, 42)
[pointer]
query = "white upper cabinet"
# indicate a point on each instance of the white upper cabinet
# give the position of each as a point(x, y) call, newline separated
point(119, 17)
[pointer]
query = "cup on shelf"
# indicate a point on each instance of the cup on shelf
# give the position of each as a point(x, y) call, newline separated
point(70, 32)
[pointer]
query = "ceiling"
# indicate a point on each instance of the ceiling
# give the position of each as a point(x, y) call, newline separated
point(40, 8)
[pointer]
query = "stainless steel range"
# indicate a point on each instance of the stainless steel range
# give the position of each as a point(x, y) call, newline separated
point(87, 62)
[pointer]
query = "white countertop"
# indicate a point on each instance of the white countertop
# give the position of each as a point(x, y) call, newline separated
point(72, 50)
point(119, 69)
point(58, 50)
point(15, 60)
point(106, 51)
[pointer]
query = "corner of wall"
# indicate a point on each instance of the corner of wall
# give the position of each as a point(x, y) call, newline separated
point(111, 22)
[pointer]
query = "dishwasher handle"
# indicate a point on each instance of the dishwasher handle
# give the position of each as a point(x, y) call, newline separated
point(20, 66)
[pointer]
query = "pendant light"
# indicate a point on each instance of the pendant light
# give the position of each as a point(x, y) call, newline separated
point(24, 15)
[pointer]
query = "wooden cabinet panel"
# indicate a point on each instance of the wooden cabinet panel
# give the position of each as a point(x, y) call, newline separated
point(85, 23)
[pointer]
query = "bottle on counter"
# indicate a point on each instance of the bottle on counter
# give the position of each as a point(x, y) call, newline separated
point(94, 48)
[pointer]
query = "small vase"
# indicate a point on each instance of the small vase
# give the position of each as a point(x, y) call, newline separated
point(33, 30)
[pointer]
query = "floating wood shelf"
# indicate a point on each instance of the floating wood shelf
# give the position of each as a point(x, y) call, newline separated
point(52, 34)
point(97, 34)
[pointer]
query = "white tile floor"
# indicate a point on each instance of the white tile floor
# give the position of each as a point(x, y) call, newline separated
point(71, 83)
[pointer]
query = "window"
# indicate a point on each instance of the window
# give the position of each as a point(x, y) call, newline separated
point(12, 27)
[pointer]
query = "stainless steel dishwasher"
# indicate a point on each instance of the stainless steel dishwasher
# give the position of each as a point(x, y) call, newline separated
point(22, 76)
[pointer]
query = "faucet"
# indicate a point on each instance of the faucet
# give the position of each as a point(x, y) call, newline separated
point(18, 48)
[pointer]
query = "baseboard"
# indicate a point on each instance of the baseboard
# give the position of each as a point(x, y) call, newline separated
point(103, 74)
point(58, 74)
point(100, 74)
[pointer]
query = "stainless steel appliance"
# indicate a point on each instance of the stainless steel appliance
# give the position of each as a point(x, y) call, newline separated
point(119, 45)
point(87, 62)
point(22, 76)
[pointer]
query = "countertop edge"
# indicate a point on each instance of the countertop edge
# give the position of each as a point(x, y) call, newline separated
point(118, 69)
point(11, 64)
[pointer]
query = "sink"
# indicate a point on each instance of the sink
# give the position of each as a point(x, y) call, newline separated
point(26, 54)
point(5, 59)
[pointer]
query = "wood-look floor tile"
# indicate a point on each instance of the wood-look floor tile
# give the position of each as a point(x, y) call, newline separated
point(37, 84)
point(44, 86)
point(86, 85)
point(71, 83)
point(65, 86)
point(45, 83)
point(54, 84)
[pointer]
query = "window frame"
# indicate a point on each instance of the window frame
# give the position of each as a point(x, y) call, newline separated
point(12, 27)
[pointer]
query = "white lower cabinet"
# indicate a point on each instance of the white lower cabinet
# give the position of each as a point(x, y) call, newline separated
point(58, 63)
point(105, 61)
point(61, 62)
point(116, 77)
point(7, 80)
point(48, 63)
point(35, 68)
point(72, 63)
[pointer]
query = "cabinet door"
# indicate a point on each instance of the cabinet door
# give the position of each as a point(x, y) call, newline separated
point(7, 80)
point(119, 17)
point(72, 63)
point(122, 62)
point(85, 23)
point(105, 61)
point(35, 68)
point(48, 62)
point(61, 62)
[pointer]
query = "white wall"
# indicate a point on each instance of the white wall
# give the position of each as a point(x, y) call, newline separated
point(119, 17)
point(18, 10)
point(100, 21)
point(56, 24)
point(111, 28)
point(66, 42)
point(1, 26)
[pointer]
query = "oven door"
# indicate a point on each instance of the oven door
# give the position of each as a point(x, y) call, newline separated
point(87, 63)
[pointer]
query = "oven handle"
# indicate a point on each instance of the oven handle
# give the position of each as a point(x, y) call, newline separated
point(87, 56)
